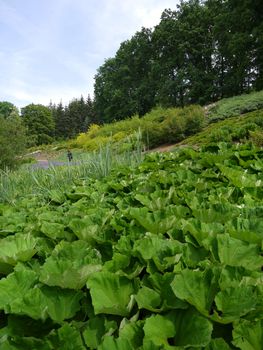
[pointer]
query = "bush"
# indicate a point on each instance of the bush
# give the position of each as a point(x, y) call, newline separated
point(235, 106)
point(172, 125)
point(256, 137)
point(158, 127)
point(12, 141)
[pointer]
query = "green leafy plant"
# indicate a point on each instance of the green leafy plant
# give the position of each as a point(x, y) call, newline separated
point(164, 255)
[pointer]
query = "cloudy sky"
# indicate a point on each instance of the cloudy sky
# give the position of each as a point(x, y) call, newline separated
point(51, 49)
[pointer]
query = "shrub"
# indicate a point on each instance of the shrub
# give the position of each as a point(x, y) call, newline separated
point(235, 106)
point(256, 137)
point(12, 141)
point(172, 125)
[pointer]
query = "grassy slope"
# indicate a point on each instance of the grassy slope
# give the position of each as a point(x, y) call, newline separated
point(246, 127)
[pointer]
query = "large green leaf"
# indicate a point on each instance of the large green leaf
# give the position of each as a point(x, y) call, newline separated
point(133, 331)
point(91, 226)
point(70, 264)
point(111, 294)
point(156, 222)
point(217, 344)
point(197, 287)
point(43, 302)
point(183, 328)
point(15, 286)
point(66, 338)
point(164, 252)
point(158, 329)
point(19, 247)
point(95, 330)
point(248, 335)
point(236, 301)
point(110, 343)
point(148, 299)
point(234, 252)
point(240, 178)
point(246, 229)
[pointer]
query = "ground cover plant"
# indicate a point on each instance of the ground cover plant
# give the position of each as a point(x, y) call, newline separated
point(161, 125)
point(234, 106)
point(244, 128)
point(166, 255)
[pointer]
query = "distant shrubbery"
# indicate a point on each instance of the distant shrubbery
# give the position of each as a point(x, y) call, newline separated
point(157, 127)
point(234, 106)
point(237, 129)
point(12, 141)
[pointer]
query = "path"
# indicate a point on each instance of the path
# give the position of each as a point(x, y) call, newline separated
point(44, 160)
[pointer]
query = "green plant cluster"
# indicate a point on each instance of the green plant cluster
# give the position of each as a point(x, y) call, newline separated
point(164, 256)
point(30, 181)
point(160, 126)
point(234, 106)
point(242, 129)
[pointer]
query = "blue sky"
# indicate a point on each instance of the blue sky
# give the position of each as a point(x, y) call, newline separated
point(51, 49)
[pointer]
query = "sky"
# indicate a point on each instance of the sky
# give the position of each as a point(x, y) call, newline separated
point(50, 50)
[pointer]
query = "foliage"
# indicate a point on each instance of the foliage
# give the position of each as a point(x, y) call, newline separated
point(247, 127)
point(234, 106)
point(199, 53)
point(164, 255)
point(12, 141)
point(161, 125)
point(73, 118)
point(33, 182)
point(171, 125)
point(7, 109)
point(131, 66)
point(39, 122)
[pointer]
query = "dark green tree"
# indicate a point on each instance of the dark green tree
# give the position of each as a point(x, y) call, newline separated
point(123, 85)
point(39, 122)
point(91, 116)
point(183, 55)
point(8, 109)
point(12, 141)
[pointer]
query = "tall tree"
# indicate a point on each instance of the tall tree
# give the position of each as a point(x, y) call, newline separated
point(8, 109)
point(12, 140)
point(39, 122)
point(183, 64)
point(123, 84)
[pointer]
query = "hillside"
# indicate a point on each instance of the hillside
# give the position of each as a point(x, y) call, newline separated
point(228, 120)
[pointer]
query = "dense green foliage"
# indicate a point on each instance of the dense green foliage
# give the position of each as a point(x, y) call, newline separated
point(166, 255)
point(12, 141)
point(160, 126)
point(29, 181)
point(199, 53)
point(7, 109)
point(74, 118)
point(234, 106)
point(248, 127)
point(39, 122)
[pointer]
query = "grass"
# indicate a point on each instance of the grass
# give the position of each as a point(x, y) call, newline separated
point(234, 106)
point(247, 127)
point(30, 182)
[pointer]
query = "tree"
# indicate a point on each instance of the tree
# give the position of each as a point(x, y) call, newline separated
point(123, 84)
point(8, 109)
point(39, 122)
point(12, 140)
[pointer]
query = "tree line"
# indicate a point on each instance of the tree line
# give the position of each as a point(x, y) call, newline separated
point(199, 53)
